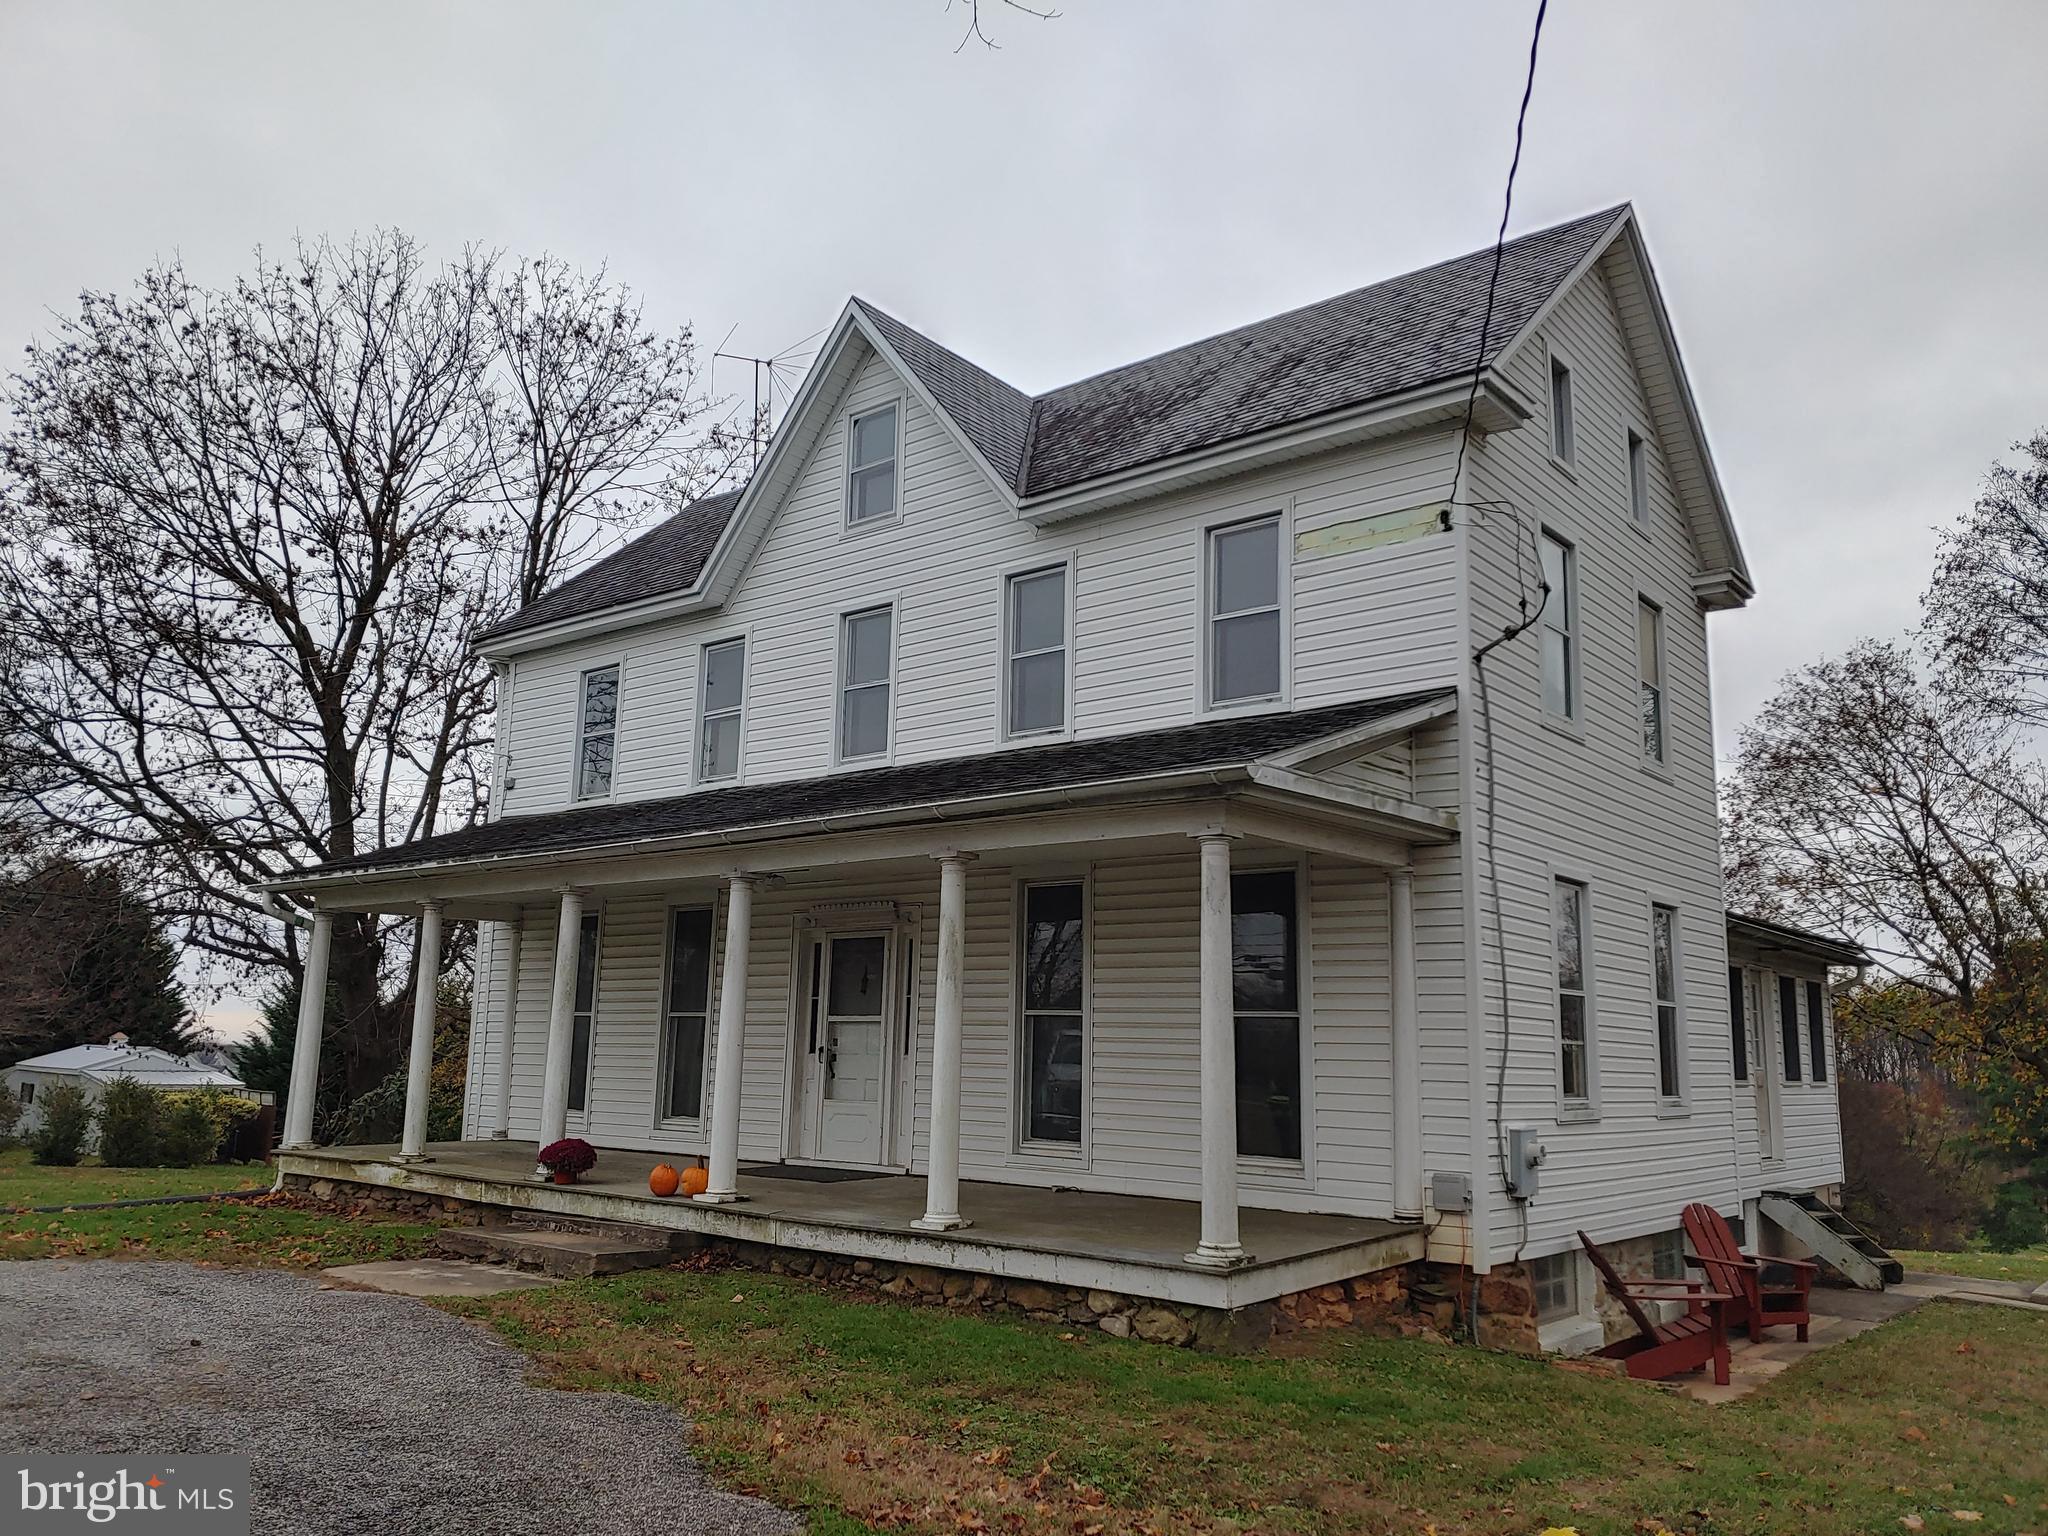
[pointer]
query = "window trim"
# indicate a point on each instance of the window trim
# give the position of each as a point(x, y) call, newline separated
point(1661, 763)
point(848, 524)
point(1006, 582)
point(1572, 720)
point(843, 621)
point(1636, 447)
point(593, 913)
point(1588, 1107)
point(1816, 1030)
point(1791, 1048)
point(714, 904)
point(1555, 358)
point(745, 639)
point(1291, 1172)
point(1022, 1143)
point(1280, 513)
point(616, 663)
point(1680, 1076)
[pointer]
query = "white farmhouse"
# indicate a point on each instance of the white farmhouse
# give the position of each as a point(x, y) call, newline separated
point(1209, 831)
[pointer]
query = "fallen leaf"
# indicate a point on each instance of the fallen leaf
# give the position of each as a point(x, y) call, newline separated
point(1913, 1522)
point(1965, 1514)
point(1914, 1433)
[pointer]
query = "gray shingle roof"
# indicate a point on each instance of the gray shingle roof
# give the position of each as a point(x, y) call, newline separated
point(1064, 765)
point(1337, 355)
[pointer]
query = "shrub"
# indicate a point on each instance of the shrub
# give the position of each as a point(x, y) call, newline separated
point(131, 1124)
point(190, 1134)
point(224, 1111)
point(10, 1117)
point(58, 1140)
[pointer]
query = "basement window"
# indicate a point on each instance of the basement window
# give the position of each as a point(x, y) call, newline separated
point(1555, 1280)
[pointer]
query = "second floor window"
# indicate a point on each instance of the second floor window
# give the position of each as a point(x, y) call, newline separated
point(871, 467)
point(1664, 971)
point(1244, 612)
point(597, 726)
point(1037, 652)
point(866, 651)
point(1650, 677)
point(1560, 629)
point(721, 693)
point(1572, 1037)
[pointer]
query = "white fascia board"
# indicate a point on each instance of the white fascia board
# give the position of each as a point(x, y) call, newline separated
point(1316, 756)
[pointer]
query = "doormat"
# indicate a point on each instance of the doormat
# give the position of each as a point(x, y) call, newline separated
point(805, 1175)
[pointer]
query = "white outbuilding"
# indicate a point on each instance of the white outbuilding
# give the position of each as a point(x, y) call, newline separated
point(92, 1067)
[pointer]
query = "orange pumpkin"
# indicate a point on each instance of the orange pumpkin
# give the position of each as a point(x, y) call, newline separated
point(695, 1181)
point(663, 1180)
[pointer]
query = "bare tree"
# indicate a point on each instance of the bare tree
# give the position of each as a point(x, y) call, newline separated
point(1987, 607)
point(247, 535)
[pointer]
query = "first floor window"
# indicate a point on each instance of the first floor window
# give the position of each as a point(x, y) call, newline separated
point(721, 697)
point(1560, 629)
point(1569, 924)
point(1788, 1025)
point(1264, 972)
point(1052, 988)
point(1817, 1029)
point(597, 725)
point(585, 1013)
point(866, 651)
point(1555, 1280)
point(1664, 968)
point(1244, 612)
point(688, 1012)
point(1738, 1024)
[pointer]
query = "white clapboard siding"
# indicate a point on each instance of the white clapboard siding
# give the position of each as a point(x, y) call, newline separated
point(1365, 621)
point(1581, 804)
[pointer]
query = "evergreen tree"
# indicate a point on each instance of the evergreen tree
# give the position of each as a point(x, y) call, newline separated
point(264, 1060)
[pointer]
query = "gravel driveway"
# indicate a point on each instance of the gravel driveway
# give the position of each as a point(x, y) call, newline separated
point(361, 1412)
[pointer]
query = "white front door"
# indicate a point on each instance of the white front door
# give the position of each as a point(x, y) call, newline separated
point(846, 1101)
point(1762, 1071)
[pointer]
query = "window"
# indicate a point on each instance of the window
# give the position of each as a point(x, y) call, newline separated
point(1036, 646)
point(1244, 612)
point(1264, 981)
point(865, 659)
point(585, 1013)
point(1639, 479)
point(1650, 676)
point(1570, 925)
point(1667, 1255)
point(1052, 990)
point(1788, 1025)
point(1664, 972)
point(1817, 1030)
point(1738, 1024)
point(1555, 1280)
point(720, 703)
point(28, 1091)
point(1560, 628)
point(597, 726)
point(687, 1012)
point(1562, 431)
point(871, 467)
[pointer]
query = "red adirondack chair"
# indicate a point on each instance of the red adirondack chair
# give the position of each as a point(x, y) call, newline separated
point(1658, 1350)
point(1758, 1305)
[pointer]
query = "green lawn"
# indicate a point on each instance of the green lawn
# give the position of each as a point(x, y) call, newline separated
point(2028, 1264)
point(24, 1184)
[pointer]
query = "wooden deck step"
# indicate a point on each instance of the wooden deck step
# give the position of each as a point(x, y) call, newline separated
point(566, 1255)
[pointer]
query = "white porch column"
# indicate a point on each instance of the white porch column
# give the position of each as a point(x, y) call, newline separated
point(554, 1079)
point(1407, 1043)
point(305, 1083)
point(1219, 1247)
point(942, 1157)
point(426, 982)
point(722, 1185)
point(501, 1086)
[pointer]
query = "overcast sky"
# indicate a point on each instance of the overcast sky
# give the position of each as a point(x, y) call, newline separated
point(1844, 201)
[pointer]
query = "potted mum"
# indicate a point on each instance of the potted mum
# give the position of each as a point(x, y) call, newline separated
point(565, 1160)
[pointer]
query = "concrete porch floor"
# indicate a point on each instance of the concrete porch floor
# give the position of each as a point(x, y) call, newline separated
point(1130, 1243)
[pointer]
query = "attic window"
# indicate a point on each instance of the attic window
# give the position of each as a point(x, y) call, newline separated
point(871, 467)
point(1562, 445)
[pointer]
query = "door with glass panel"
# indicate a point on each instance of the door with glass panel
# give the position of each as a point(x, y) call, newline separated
point(850, 1055)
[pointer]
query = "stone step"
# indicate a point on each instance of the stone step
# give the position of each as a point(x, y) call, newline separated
point(566, 1255)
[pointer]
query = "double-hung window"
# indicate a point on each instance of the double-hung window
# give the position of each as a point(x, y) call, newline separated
point(1052, 988)
point(871, 467)
point(1738, 1023)
point(1639, 479)
point(866, 661)
point(1817, 1029)
point(1035, 641)
point(1569, 925)
point(1266, 987)
point(721, 695)
point(584, 1014)
point(1245, 643)
point(686, 1012)
point(1560, 628)
point(1650, 677)
point(1664, 973)
point(1788, 1025)
point(597, 728)
point(1563, 430)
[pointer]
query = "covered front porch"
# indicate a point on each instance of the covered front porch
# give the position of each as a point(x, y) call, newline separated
point(1130, 1244)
